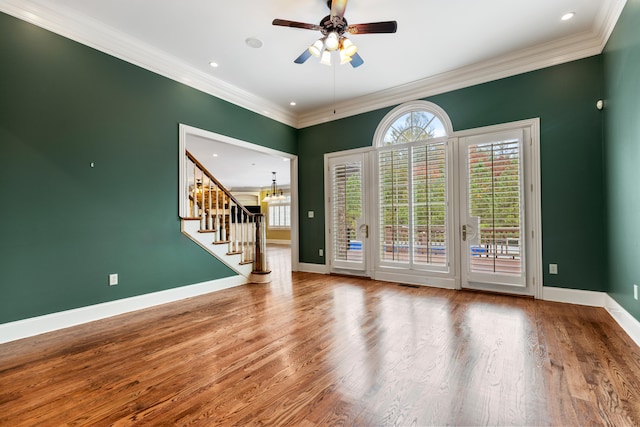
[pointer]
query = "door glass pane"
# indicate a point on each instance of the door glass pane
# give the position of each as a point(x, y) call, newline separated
point(394, 205)
point(429, 204)
point(494, 204)
point(346, 204)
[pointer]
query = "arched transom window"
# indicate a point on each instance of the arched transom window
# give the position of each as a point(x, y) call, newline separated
point(412, 122)
point(414, 126)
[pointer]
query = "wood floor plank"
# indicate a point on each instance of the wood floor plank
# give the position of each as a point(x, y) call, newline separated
point(311, 349)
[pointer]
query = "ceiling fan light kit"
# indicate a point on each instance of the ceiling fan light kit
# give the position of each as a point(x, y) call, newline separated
point(333, 28)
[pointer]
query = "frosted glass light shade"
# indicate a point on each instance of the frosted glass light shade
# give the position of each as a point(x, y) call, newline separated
point(316, 48)
point(348, 47)
point(326, 58)
point(331, 43)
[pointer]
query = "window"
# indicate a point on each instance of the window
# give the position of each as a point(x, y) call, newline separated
point(279, 214)
point(412, 162)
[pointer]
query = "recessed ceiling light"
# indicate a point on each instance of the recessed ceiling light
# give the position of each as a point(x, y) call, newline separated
point(254, 42)
point(568, 16)
point(293, 103)
point(215, 155)
point(213, 64)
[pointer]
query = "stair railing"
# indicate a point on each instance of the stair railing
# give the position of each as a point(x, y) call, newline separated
point(222, 215)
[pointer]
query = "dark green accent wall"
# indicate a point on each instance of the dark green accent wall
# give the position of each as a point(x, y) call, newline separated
point(622, 154)
point(564, 98)
point(65, 226)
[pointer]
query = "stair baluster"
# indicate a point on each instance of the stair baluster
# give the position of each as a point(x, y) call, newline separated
point(217, 222)
point(209, 213)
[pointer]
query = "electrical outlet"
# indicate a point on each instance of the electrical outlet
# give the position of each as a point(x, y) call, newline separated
point(113, 279)
point(635, 292)
point(311, 214)
point(321, 252)
point(553, 268)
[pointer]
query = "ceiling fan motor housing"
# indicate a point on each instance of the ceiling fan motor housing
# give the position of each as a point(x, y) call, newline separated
point(333, 24)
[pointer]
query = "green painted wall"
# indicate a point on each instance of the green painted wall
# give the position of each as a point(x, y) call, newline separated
point(64, 226)
point(622, 154)
point(564, 98)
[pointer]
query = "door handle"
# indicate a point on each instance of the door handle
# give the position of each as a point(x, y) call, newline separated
point(464, 233)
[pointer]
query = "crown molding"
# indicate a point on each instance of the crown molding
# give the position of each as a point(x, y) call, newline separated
point(112, 42)
point(607, 20)
point(535, 58)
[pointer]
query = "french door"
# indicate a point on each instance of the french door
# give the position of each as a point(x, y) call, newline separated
point(348, 229)
point(492, 211)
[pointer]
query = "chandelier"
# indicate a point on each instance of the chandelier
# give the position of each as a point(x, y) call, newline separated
point(274, 195)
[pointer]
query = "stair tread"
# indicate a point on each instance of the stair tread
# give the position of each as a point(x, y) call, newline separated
point(207, 231)
point(235, 253)
point(246, 262)
point(222, 242)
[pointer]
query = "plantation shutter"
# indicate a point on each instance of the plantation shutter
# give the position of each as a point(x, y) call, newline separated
point(393, 169)
point(429, 204)
point(346, 206)
point(495, 201)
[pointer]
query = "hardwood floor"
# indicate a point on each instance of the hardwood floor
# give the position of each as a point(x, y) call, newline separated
point(311, 349)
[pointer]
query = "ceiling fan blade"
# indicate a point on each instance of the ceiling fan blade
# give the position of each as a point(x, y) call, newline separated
point(294, 24)
point(303, 57)
point(356, 60)
point(373, 27)
point(338, 7)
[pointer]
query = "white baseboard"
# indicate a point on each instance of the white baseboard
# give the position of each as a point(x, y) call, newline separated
point(630, 324)
point(596, 299)
point(313, 268)
point(279, 241)
point(574, 296)
point(50, 322)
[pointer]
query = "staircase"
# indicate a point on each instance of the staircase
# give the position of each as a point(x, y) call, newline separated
point(224, 227)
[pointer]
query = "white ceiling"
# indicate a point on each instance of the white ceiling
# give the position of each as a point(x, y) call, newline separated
point(439, 46)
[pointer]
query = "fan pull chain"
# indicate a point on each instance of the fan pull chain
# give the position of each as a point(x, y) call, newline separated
point(334, 89)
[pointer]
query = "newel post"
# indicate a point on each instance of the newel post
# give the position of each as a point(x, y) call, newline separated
point(260, 258)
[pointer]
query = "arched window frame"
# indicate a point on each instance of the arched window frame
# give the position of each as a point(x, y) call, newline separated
point(414, 106)
point(386, 257)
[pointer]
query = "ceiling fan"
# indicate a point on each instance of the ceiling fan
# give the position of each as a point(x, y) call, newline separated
point(333, 27)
